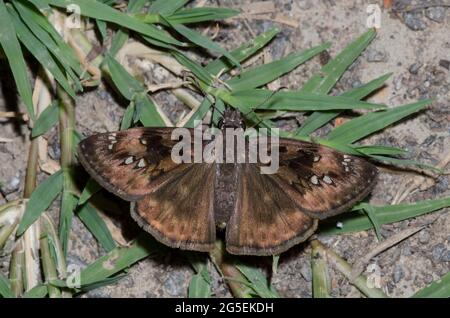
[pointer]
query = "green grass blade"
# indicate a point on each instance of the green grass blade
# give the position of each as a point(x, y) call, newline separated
point(318, 119)
point(127, 85)
point(199, 287)
point(199, 113)
point(39, 51)
point(367, 124)
point(39, 291)
point(437, 289)
point(404, 162)
point(98, 10)
point(44, 31)
point(5, 287)
point(295, 101)
point(199, 71)
point(204, 42)
point(91, 188)
point(167, 7)
point(46, 120)
point(327, 77)
point(127, 119)
point(243, 52)
point(380, 150)
point(258, 281)
point(358, 221)
point(200, 14)
point(68, 206)
point(41, 198)
point(146, 111)
point(118, 259)
point(13, 52)
point(266, 73)
point(90, 217)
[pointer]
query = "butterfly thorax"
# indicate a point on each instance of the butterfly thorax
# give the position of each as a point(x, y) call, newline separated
point(227, 174)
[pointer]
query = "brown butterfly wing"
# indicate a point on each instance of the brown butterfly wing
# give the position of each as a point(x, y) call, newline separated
point(180, 213)
point(266, 221)
point(322, 181)
point(130, 163)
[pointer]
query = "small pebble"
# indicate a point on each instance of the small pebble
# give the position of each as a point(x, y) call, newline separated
point(436, 14)
point(445, 64)
point(414, 68)
point(414, 21)
point(398, 273)
point(437, 251)
point(424, 237)
point(12, 186)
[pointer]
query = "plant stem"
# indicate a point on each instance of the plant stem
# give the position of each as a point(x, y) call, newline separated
point(342, 266)
point(232, 275)
point(320, 276)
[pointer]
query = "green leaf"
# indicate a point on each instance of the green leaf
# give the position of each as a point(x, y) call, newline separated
point(90, 217)
point(199, 71)
point(356, 221)
point(292, 100)
point(258, 281)
point(373, 218)
point(200, 14)
point(127, 85)
point(243, 52)
point(199, 113)
point(41, 198)
point(404, 162)
point(146, 111)
point(91, 188)
point(68, 205)
point(199, 287)
point(437, 289)
point(380, 150)
point(46, 120)
point(39, 51)
point(13, 52)
point(318, 119)
point(119, 259)
point(127, 118)
point(5, 287)
point(367, 124)
point(39, 291)
point(204, 42)
point(167, 7)
point(98, 10)
point(266, 73)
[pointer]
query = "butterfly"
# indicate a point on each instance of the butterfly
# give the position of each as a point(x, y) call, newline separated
point(184, 205)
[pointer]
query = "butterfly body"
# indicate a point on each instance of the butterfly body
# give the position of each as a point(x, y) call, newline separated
point(183, 204)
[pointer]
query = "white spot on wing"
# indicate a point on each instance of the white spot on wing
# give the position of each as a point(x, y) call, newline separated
point(129, 160)
point(314, 180)
point(141, 163)
point(327, 180)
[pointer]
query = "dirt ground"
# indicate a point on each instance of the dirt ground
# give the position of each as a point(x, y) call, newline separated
point(414, 46)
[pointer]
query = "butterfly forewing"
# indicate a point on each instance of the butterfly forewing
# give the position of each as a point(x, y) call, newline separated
point(130, 163)
point(322, 181)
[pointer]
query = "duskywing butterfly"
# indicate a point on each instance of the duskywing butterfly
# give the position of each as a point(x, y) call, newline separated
point(182, 204)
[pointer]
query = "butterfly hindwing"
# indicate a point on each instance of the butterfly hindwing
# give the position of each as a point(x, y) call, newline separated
point(130, 163)
point(265, 220)
point(320, 180)
point(180, 213)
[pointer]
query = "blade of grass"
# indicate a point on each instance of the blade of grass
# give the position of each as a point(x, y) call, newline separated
point(367, 124)
point(200, 113)
point(318, 119)
point(167, 7)
point(358, 221)
point(13, 52)
point(199, 71)
point(266, 73)
point(146, 111)
point(89, 216)
point(5, 287)
point(98, 10)
point(39, 291)
point(243, 52)
point(321, 282)
point(46, 120)
point(41, 198)
point(437, 289)
point(203, 41)
point(295, 101)
point(119, 259)
point(200, 14)
point(258, 281)
point(91, 188)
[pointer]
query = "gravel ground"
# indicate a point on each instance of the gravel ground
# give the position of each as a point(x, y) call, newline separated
point(413, 45)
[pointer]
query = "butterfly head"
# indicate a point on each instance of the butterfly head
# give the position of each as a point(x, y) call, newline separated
point(232, 118)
